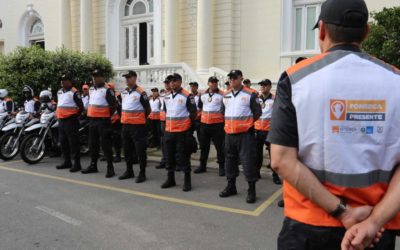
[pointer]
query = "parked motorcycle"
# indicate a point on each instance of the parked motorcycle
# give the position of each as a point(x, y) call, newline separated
point(13, 134)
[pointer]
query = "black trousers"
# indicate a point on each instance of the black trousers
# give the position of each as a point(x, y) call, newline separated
point(196, 127)
point(155, 132)
point(178, 151)
point(100, 132)
point(116, 136)
point(163, 161)
point(216, 133)
point(68, 134)
point(241, 146)
point(261, 137)
point(299, 236)
point(134, 137)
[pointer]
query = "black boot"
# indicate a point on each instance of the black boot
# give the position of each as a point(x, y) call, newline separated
point(201, 169)
point(230, 189)
point(117, 158)
point(251, 192)
point(67, 164)
point(128, 173)
point(77, 166)
point(170, 182)
point(276, 179)
point(110, 170)
point(221, 170)
point(142, 175)
point(187, 184)
point(161, 166)
point(91, 169)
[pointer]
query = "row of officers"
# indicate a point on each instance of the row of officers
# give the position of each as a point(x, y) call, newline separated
point(237, 121)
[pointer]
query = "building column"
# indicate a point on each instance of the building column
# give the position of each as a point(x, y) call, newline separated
point(86, 25)
point(205, 38)
point(171, 31)
point(65, 21)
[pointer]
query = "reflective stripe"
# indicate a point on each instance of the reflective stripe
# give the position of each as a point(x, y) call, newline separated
point(97, 111)
point(177, 124)
point(238, 114)
point(133, 117)
point(132, 109)
point(237, 125)
point(177, 115)
point(212, 117)
point(98, 105)
point(262, 124)
point(162, 116)
point(154, 116)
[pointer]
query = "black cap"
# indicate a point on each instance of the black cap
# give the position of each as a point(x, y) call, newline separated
point(65, 77)
point(168, 79)
point(344, 13)
point(246, 81)
point(227, 83)
point(176, 77)
point(213, 79)
point(193, 84)
point(154, 90)
point(97, 72)
point(265, 82)
point(235, 72)
point(130, 74)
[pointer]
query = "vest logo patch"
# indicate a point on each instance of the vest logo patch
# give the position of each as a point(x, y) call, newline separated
point(338, 110)
point(357, 110)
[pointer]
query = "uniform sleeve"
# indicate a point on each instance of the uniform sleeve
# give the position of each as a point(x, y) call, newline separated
point(144, 100)
point(78, 101)
point(200, 104)
point(284, 121)
point(191, 107)
point(112, 101)
point(255, 106)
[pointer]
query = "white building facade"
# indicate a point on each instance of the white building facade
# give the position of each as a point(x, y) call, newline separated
point(197, 38)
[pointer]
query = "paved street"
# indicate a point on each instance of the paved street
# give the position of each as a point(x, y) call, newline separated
point(45, 208)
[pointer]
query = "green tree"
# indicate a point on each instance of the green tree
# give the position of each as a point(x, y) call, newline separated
point(384, 40)
point(41, 69)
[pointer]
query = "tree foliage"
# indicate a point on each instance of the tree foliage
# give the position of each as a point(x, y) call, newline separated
point(41, 69)
point(384, 39)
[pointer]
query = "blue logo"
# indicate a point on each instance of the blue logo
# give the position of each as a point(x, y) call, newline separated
point(369, 130)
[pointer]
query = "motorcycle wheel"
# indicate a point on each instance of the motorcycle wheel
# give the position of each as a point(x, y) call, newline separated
point(84, 144)
point(7, 152)
point(31, 153)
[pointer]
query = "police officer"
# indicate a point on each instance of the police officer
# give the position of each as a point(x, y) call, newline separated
point(168, 89)
point(69, 108)
point(6, 104)
point(85, 96)
point(241, 111)
point(212, 125)
point(180, 110)
point(262, 126)
point(102, 104)
point(334, 142)
point(154, 117)
point(194, 89)
point(31, 104)
point(135, 109)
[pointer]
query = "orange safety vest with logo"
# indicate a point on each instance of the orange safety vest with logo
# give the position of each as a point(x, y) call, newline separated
point(263, 123)
point(196, 100)
point(98, 105)
point(346, 132)
point(177, 114)
point(238, 115)
point(155, 105)
point(212, 111)
point(132, 109)
point(66, 105)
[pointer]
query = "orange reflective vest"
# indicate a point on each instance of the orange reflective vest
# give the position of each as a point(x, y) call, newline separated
point(132, 109)
point(177, 114)
point(263, 123)
point(238, 114)
point(98, 105)
point(212, 111)
point(155, 105)
point(347, 137)
point(162, 109)
point(66, 105)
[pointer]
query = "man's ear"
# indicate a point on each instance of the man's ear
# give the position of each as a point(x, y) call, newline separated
point(368, 30)
point(322, 31)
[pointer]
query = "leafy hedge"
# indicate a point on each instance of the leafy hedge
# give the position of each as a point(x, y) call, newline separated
point(41, 69)
point(384, 40)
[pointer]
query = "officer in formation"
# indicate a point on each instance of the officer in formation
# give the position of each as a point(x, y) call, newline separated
point(69, 108)
point(154, 118)
point(135, 110)
point(102, 104)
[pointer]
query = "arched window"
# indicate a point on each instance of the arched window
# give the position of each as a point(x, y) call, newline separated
point(37, 28)
point(138, 32)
